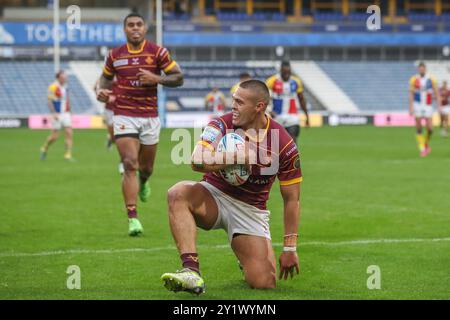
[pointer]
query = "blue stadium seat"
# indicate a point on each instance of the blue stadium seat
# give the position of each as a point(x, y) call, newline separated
point(423, 17)
point(445, 17)
point(201, 77)
point(25, 92)
point(328, 16)
point(357, 16)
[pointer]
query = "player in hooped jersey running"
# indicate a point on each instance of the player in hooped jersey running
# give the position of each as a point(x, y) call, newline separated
point(137, 66)
point(241, 210)
point(422, 86)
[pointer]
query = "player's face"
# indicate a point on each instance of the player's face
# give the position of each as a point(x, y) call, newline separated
point(62, 78)
point(422, 70)
point(243, 107)
point(285, 73)
point(135, 30)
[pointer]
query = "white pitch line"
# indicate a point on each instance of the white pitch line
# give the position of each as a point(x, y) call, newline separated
point(223, 246)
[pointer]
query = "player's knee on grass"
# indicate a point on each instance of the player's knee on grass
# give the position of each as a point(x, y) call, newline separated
point(130, 164)
point(259, 279)
point(259, 275)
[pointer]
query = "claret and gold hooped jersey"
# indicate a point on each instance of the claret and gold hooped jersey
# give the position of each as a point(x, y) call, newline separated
point(132, 98)
point(274, 140)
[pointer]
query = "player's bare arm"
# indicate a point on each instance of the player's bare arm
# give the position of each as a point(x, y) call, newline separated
point(104, 88)
point(173, 78)
point(51, 108)
point(289, 258)
point(206, 160)
point(302, 100)
point(411, 102)
point(437, 94)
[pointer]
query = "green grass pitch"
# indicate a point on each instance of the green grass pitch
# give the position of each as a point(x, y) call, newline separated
point(361, 183)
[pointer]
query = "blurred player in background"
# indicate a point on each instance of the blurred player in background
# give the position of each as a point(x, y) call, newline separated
point(240, 210)
point(59, 106)
point(445, 111)
point(287, 98)
point(244, 76)
point(421, 89)
point(108, 115)
point(137, 65)
point(215, 102)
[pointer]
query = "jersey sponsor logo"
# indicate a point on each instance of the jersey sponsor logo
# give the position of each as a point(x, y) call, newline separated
point(210, 134)
point(135, 83)
point(291, 151)
point(258, 180)
point(135, 61)
point(149, 60)
point(121, 62)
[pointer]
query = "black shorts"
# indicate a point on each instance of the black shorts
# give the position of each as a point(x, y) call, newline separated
point(294, 131)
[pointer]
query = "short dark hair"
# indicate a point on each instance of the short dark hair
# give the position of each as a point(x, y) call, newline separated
point(421, 64)
point(259, 87)
point(244, 75)
point(132, 15)
point(59, 73)
point(285, 63)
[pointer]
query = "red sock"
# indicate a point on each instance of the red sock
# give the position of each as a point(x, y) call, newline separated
point(132, 211)
point(190, 261)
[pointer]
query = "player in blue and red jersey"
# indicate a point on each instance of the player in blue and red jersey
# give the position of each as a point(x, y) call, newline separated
point(422, 86)
point(287, 99)
point(59, 107)
point(240, 210)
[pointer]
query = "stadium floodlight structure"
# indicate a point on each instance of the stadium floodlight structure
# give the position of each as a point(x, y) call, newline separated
point(56, 36)
point(159, 42)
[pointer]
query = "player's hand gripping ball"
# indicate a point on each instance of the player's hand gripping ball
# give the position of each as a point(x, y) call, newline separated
point(235, 175)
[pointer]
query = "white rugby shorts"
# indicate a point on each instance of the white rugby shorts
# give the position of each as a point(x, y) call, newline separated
point(147, 130)
point(64, 120)
point(237, 217)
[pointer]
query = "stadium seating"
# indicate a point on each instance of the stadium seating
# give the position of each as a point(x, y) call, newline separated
point(328, 16)
point(257, 16)
point(23, 88)
point(328, 95)
point(336, 86)
point(201, 77)
point(423, 17)
point(373, 86)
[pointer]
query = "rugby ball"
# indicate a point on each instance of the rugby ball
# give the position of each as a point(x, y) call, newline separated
point(238, 174)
